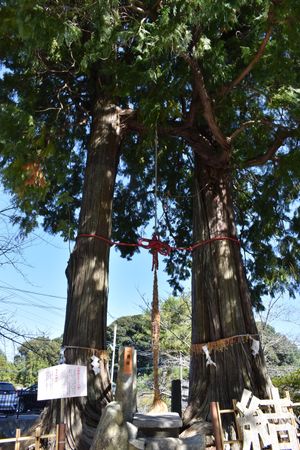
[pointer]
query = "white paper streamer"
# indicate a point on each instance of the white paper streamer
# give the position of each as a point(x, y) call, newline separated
point(209, 361)
point(62, 355)
point(95, 364)
point(255, 347)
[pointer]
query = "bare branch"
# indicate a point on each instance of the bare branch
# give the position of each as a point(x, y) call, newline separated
point(50, 66)
point(245, 125)
point(206, 102)
point(137, 9)
point(239, 130)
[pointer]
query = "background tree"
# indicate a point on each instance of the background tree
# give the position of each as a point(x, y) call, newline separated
point(7, 369)
point(282, 355)
point(33, 355)
point(11, 241)
point(291, 383)
point(133, 331)
point(175, 334)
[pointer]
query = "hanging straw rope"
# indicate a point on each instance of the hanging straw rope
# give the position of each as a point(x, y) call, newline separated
point(158, 405)
point(156, 182)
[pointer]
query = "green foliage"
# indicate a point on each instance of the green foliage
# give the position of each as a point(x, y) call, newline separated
point(175, 335)
point(176, 316)
point(290, 383)
point(35, 354)
point(281, 353)
point(134, 331)
point(7, 369)
point(58, 57)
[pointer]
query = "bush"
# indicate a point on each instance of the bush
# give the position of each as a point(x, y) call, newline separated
point(291, 383)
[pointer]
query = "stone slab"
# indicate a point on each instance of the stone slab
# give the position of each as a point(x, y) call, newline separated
point(158, 432)
point(157, 421)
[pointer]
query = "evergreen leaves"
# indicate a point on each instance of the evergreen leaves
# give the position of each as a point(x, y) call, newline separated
point(58, 56)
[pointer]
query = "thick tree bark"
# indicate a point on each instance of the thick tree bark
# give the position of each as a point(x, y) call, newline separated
point(87, 274)
point(221, 303)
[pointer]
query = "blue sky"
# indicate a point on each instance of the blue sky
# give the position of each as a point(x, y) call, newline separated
point(33, 298)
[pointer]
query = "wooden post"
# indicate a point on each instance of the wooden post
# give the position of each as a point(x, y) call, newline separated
point(180, 366)
point(176, 397)
point(113, 354)
point(62, 428)
point(37, 441)
point(56, 437)
point(126, 382)
point(18, 435)
point(217, 426)
point(237, 425)
point(60, 436)
point(290, 409)
point(128, 360)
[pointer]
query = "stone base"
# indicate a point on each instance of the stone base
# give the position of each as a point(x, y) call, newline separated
point(158, 425)
point(191, 443)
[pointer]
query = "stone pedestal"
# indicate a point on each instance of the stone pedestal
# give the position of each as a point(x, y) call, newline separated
point(158, 425)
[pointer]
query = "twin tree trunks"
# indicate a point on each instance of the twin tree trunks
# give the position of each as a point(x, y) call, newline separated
point(220, 298)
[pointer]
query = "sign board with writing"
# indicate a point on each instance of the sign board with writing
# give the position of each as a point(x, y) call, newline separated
point(62, 381)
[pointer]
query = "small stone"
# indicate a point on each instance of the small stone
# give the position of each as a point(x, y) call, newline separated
point(197, 427)
point(132, 430)
point(136, 444)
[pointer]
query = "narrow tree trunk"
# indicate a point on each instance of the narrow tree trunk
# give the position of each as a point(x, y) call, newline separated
point(87, 274)
point(221, 304)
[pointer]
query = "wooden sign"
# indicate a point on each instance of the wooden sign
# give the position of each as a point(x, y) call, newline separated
point(259, 423)
point(62, 381)
point(128, 355)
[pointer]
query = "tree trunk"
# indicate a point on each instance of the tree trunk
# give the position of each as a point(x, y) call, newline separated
point(221, 304)
point(87, 274)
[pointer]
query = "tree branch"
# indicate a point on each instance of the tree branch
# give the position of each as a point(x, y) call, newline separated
point(208, 112)
point(269, 155)
point(209, 154)
point(245, 125)
point(250, 66)
point(191, 115)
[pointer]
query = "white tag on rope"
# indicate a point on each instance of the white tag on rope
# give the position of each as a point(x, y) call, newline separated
point(209, 361)
point(255, 347)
